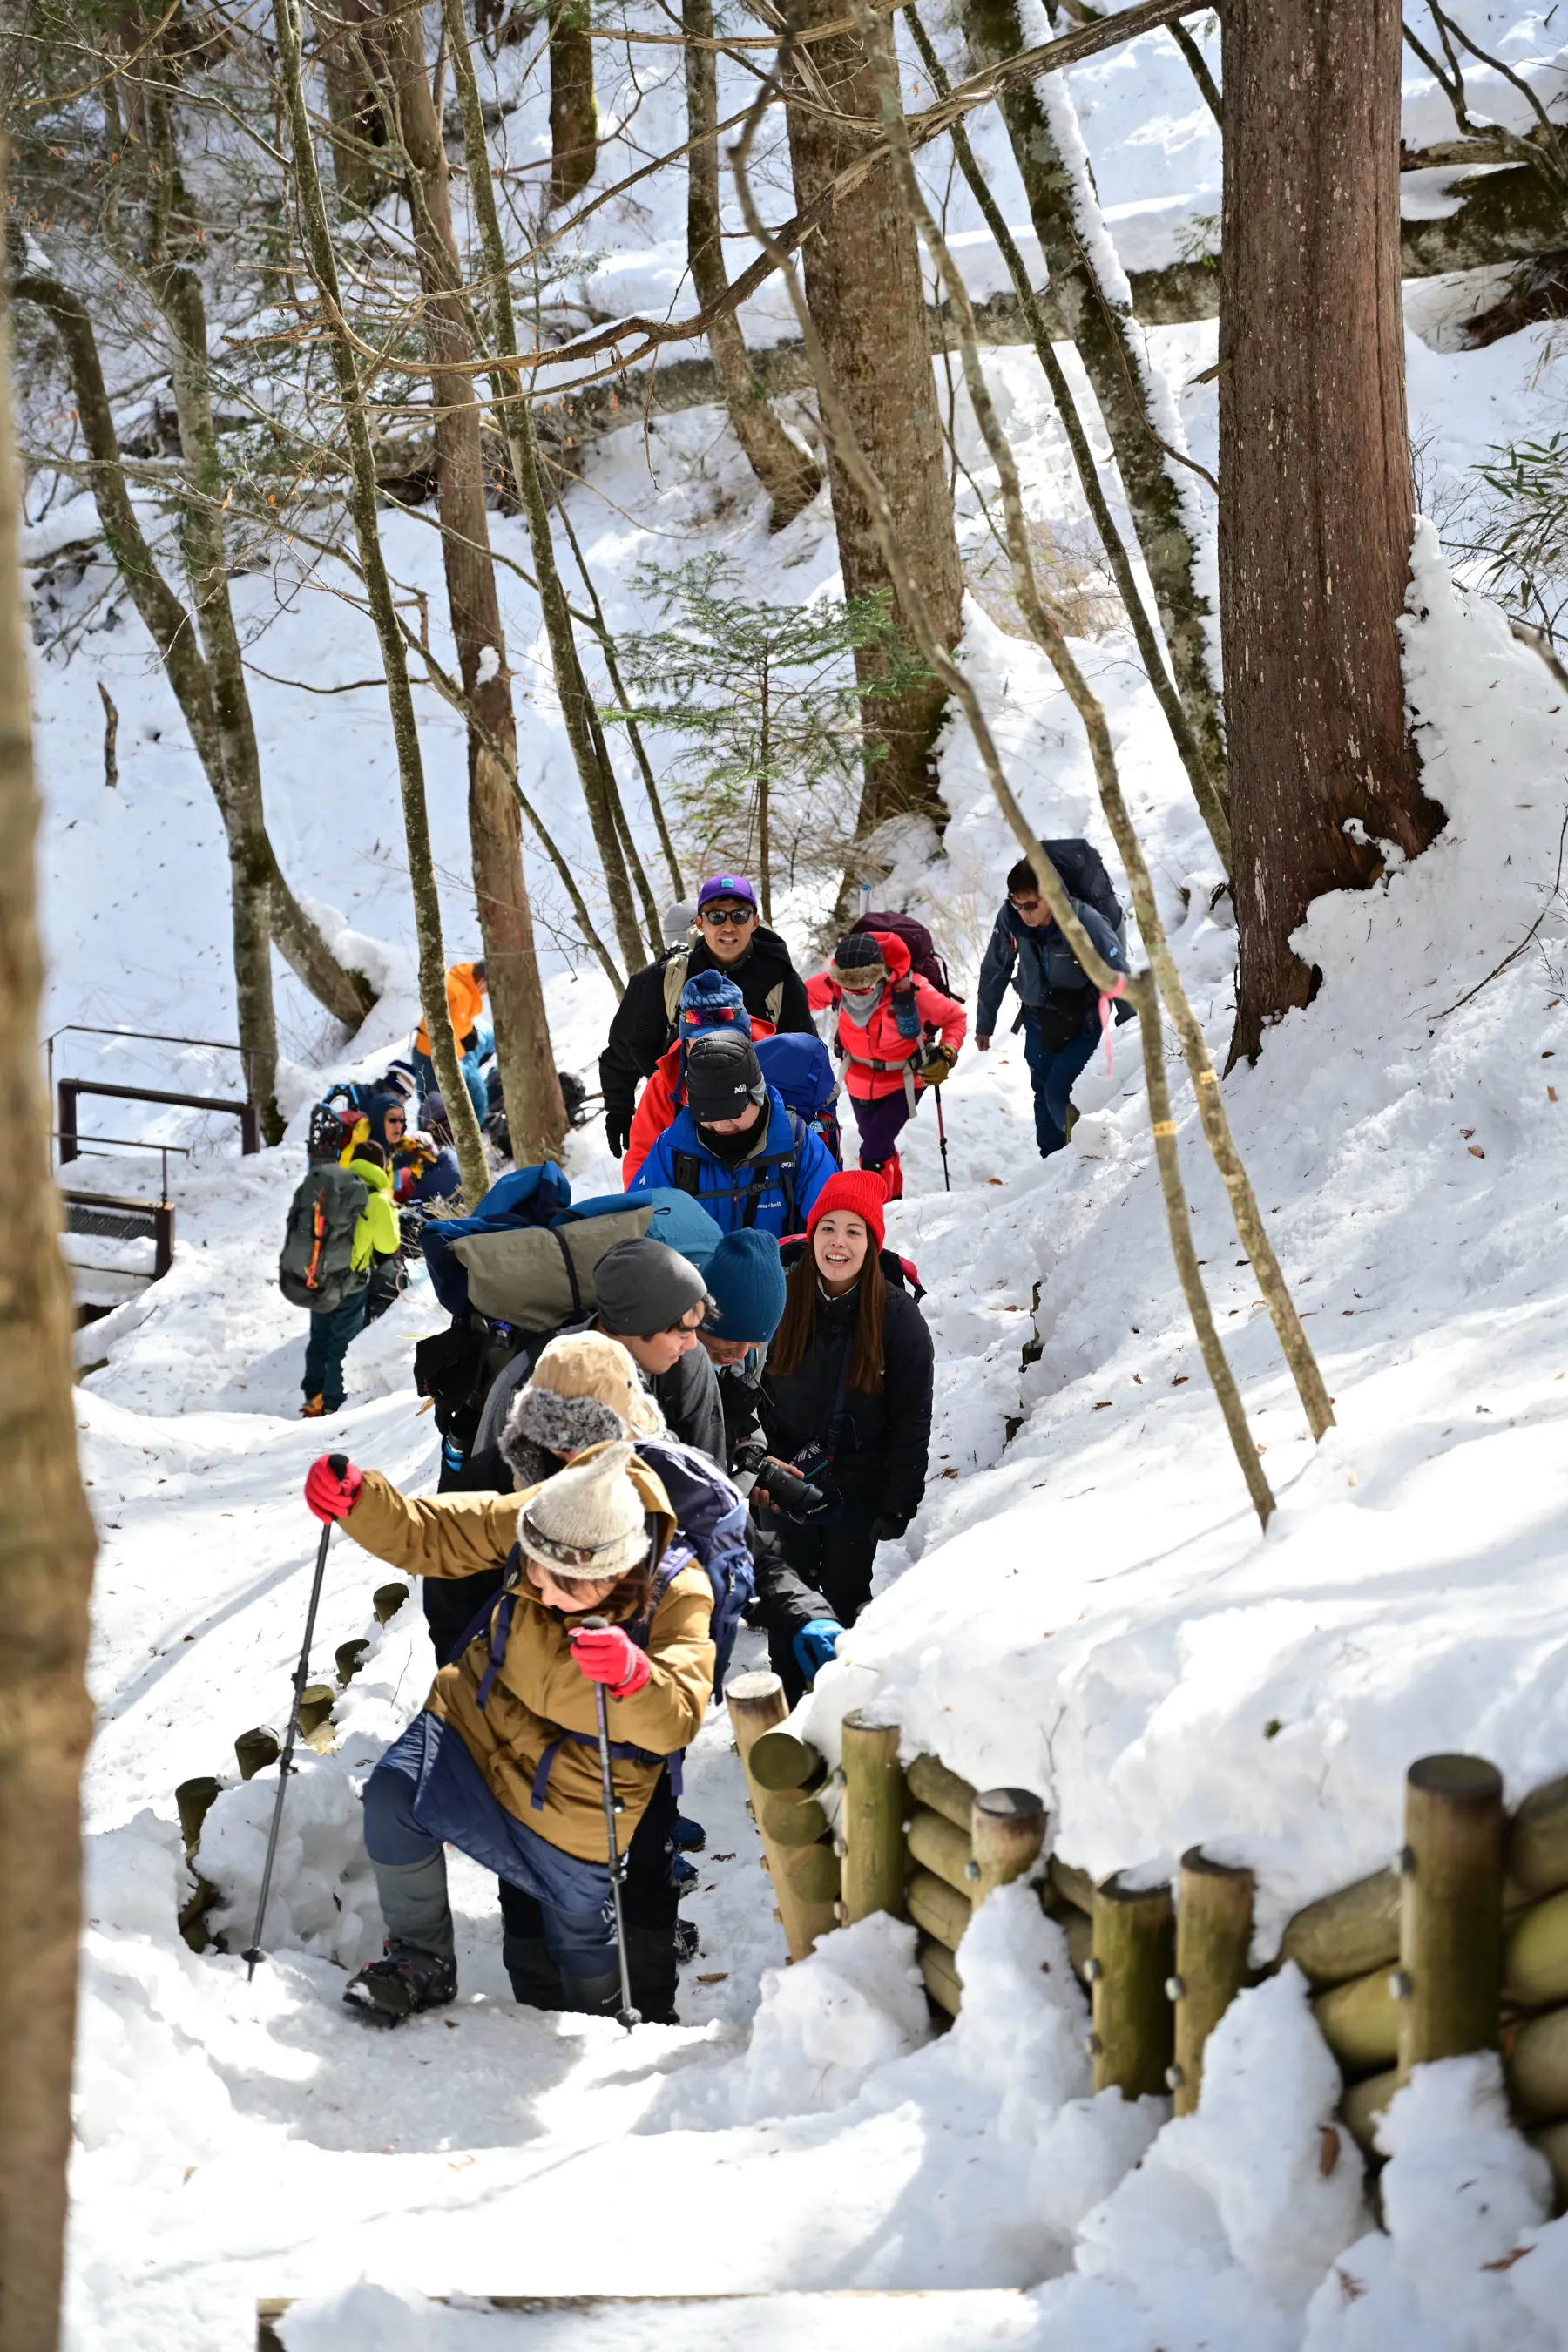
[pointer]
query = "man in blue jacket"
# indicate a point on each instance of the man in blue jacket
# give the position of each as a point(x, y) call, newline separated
point(1060, 1004)
point(734, 1147)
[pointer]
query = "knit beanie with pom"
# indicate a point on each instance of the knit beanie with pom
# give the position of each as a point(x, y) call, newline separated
point(586, 1525)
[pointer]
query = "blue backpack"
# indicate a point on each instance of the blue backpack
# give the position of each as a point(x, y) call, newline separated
point(800, 1069)
point(710, 1513)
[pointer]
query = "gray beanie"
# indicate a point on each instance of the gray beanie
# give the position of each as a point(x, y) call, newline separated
point(646, 1286)
point(562, 1424)
point(586, 1525)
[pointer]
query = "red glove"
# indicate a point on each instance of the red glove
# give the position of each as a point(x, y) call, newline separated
point(610, 1656)
point(333, 1486)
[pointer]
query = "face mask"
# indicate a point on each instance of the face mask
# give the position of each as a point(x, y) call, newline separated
point(861, 1002)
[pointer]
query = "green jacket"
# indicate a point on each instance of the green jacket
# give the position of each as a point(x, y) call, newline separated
point(377, 1234)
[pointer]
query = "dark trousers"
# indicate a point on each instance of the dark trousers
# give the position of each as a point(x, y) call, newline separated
point(836, 1561)
point(880, 1123)
point(1052, 1070)
point(328, 1345)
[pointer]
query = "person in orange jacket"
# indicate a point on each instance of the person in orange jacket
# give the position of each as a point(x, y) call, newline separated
point(467, 989)
point(896, 1036)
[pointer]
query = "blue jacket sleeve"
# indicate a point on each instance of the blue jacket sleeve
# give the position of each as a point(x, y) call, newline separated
point(1104, 937)
point(655, 1170)
point(815, 1165)
point(995, 971)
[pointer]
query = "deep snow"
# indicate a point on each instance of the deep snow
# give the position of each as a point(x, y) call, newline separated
point(1086, 1609)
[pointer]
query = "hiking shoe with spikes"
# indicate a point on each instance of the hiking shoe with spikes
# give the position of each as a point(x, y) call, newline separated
point(401, 1983)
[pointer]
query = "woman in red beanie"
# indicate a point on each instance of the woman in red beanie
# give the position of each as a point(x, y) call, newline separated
point(846, 1399)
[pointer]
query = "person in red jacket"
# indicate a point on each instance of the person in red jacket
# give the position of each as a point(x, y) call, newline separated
point(897, 1035)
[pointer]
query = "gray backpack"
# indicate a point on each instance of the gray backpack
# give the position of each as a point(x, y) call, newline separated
point(316, 1268)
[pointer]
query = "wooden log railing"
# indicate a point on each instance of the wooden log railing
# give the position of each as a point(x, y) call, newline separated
point(1461, 1944)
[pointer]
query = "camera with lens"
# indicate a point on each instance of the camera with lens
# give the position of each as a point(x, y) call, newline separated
point(788, 1491)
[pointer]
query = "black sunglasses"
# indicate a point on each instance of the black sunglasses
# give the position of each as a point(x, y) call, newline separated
point(720, 914)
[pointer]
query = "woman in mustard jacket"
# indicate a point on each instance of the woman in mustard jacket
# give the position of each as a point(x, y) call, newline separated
point(503, 1763)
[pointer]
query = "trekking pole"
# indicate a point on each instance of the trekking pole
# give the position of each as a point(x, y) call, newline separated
point(339, 1464)
point(941, 1137)
point(629, 2015)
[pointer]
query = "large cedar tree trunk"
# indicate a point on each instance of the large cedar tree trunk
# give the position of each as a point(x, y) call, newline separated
point(863, 284)
point(535, 1114)
point(1109, 345)
point(1317, 506)
point(788, 473)
point(46, 1560)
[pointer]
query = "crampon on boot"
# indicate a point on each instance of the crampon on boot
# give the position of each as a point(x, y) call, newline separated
point(400, 1983)
point(892, 1172)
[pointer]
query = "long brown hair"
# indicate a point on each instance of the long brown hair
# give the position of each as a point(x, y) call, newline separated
point(798, 1322)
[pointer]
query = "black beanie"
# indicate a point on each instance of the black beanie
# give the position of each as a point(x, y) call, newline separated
point(723, 1076)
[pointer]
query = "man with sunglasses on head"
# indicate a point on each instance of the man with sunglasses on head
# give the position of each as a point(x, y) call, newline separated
point(729, 938)
point(1059, 1006)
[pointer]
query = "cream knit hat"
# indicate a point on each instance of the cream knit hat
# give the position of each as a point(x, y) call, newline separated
point(586, 1525)
point(592, 1364)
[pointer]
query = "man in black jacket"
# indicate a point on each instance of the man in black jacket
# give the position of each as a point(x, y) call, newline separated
point(731, 940)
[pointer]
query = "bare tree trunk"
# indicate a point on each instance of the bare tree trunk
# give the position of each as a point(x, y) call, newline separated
point(863, 284)
point(1110, 349)
point(384, 612)
point(535, 1113)
point(346, 995)
point(1317, 504)
point(47, 1546)
point(574, 116)
point(790, 476)
point(351, 65)
point(596, 779)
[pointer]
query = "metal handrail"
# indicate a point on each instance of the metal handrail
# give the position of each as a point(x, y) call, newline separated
point(160, 1037)
point(125, 1143)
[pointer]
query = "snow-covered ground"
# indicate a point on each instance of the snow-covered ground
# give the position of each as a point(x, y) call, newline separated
point(1086, 1607)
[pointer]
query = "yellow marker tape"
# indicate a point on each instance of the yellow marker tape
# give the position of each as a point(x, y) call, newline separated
point(1164, 1127)
point(1208, 1078)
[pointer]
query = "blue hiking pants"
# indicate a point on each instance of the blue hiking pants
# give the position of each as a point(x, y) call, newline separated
point(328, 1345)
point(427, 1792)
point(1051, 1073)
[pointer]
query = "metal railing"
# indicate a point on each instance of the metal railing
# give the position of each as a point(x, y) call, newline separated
point(68, 1090)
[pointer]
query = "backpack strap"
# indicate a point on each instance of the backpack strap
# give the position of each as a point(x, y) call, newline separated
point(674, 970)
point(774, 1000)
point(687, 1170)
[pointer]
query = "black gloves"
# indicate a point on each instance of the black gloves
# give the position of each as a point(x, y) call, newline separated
point(888, 1525)
point(617, 1130)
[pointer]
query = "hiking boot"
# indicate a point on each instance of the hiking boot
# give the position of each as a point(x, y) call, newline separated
point(683, 1874)
point(689, 1837)
point(686, 1943)
point(1071, 1121)
point(401, 1982)
point(313, 1409)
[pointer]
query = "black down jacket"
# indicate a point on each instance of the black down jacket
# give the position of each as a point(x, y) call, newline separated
point(886, 1440)
point(642, 1029)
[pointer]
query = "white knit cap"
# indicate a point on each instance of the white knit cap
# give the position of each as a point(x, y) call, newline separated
point(586, 1525)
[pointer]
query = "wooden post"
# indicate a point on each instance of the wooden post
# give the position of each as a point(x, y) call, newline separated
point(317, 1701)
point(1364, 2103)
point(1213, 1937)
point(388, 1600)
point(254, 1751)
point(1450, 1927)
point(873, 1820)
point(1134, 1954)
point(195, 1800)
point(349, 1656)
point(806, 1877)
point(1008, 1828)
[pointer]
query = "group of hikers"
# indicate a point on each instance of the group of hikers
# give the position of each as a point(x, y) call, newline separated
point(704, 1399)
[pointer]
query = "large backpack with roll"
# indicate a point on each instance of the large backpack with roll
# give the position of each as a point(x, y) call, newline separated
point(316, 1269)
point(923, 957)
